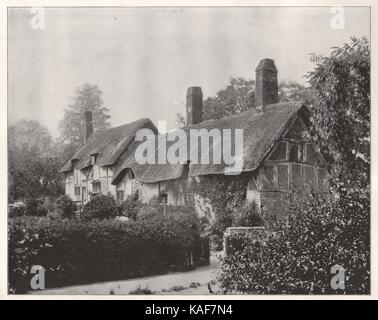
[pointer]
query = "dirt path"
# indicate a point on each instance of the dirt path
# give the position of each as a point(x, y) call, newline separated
point(191, 282)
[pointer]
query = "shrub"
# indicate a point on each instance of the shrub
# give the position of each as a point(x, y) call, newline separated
point(100, 207)
point(130, 206)
point(296, 256)
point(49, 204)
point(148, 212)
point(65, 206)
point(16, 209)
point(74, 252)
point(248, 216)
point(34, 207)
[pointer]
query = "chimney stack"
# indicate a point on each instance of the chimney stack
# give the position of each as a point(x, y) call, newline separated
point(193, 105)
point(266, 90)
point(87, 125)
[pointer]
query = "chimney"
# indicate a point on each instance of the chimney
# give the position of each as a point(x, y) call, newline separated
point(266, 90)
point(87, 125)
point(193, 105)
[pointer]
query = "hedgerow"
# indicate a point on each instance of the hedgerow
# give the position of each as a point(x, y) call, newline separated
point(74, 252)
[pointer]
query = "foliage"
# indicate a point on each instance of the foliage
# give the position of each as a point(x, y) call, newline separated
point(16, 209)
point(248, 216)
point(33, 161)
point(297, 257)
point(224, 194)
point(65, 206)
point(289, 91)
point(74, 252)
point(341, 113)
point(49, 204)
point(34, 207)
point(88, 97)
point(100, 206)
point(130, 207)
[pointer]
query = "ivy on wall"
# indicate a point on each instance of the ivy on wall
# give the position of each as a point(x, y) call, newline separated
point(224, 192)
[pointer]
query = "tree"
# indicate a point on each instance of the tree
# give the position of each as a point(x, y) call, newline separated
point(239, 96)
point(341, 111)
point(33, 161)
point(88, 97)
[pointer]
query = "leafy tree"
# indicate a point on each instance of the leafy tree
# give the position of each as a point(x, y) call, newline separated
point(341, 111)
point(88, 97)
point(33, 161)
point(237, 97)
point(289, 91)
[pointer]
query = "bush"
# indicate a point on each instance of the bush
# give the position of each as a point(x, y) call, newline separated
point(130, 207)
point(248, 216)
point(100, 207)
point(65, 206)
point(296, 256)
point(16, 209)
point(75, 252)
point(34, 207)
point(49, 204)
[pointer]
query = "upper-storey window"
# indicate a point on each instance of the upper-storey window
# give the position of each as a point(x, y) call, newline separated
point(296, 152)
point(94, 158)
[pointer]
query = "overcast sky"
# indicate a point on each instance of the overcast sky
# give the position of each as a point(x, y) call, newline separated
point(143, 59)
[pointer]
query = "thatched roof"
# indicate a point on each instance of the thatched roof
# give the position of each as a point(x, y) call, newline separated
point(107, 144)
point(261, 129)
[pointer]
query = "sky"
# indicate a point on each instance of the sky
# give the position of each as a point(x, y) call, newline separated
point(144, 59)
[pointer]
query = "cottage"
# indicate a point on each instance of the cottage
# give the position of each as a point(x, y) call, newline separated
point(276, 156)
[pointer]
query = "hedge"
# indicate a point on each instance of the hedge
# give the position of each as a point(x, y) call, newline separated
point(76, 252)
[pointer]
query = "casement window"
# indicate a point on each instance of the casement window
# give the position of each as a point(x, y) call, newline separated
point(120, 195)
point(189, 199)
point(77, 191)
point(296, 153)
point(163, 198)
point(94, 159)
point(96, 187)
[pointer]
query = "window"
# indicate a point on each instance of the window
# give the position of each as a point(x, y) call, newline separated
point(94, 158)
point(120, 195)
point(189, 199)
point(163, 198)
point(299, 152)
point(96, 186)
point(77, 191)
point(296, 153)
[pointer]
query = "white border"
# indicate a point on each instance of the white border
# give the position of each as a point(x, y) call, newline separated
point(178, 3)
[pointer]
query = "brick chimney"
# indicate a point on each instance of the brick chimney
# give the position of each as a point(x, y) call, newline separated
point(193, 105)
point(87, 125)
point(266, 91)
